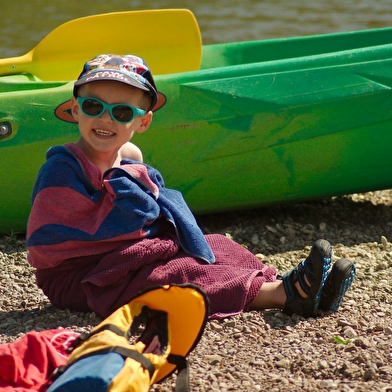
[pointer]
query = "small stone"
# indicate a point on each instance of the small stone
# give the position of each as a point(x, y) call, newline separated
point(384, 242)
point(213, 359)
point(257, 363)
point(92, 316)
point(229, 324)
point(323, 364)
point(283, 363)
point(327, 384)
point(345, 323)
point(351, 370)
point(361, 342)
point(306, 347)
point(255, 239)
point(72, 319)
point(272, 230)
point(369, 373)
point(349, 333)
point(350, 348)
point(216, 327)
point(388, 330)
point(385, 370)
point(322, 226)
point(359, 359)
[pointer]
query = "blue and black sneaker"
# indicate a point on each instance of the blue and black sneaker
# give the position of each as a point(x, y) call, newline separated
point(311, 275)
point(338, 282)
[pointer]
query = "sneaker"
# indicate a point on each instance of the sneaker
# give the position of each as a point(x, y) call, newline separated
point(338, 282)
point(315, 268)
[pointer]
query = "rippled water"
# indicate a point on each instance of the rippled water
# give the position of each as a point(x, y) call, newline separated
point(24, 23)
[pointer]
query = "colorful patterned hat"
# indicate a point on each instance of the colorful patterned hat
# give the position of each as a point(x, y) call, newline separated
point(127, 69)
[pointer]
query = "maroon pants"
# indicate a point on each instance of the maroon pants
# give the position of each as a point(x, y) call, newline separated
point(103, 283)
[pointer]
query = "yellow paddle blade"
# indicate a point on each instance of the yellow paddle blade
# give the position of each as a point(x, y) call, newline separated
point(169, 40)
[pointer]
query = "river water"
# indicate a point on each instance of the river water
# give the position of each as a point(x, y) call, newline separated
point(25, 22)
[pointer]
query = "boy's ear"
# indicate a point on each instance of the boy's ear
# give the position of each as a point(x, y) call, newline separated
point(146, 121)
point(75, 109)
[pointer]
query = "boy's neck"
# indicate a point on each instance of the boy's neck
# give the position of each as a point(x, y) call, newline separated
point(103, 160)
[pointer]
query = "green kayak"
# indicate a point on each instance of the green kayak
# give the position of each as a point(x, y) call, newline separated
point(241, 125)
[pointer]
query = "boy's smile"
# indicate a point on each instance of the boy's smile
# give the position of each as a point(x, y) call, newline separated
point(103, 133)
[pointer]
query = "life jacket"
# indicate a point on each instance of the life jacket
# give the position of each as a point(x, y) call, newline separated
point(141, 343)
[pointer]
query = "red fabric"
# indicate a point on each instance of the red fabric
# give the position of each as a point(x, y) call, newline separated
point(106, 282)
point(27, 363)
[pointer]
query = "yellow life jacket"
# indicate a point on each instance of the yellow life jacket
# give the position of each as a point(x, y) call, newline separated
point(139, 344)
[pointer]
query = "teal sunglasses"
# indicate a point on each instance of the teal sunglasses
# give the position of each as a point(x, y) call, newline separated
point(120, 112)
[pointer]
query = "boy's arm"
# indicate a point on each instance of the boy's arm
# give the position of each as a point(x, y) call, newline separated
point(131, 151)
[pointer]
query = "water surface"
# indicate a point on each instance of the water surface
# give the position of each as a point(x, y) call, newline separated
point(25, 22)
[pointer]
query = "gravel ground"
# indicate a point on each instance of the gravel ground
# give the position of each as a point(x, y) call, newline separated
point(259, 351)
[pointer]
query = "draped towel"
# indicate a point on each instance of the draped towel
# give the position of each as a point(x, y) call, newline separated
point(78, 212)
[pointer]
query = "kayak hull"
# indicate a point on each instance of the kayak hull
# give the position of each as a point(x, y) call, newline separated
point(261, 122)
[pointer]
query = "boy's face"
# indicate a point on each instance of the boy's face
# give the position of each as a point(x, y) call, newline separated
point(103, 133)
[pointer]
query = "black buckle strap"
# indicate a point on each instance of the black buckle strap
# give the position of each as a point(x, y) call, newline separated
point(182, 383)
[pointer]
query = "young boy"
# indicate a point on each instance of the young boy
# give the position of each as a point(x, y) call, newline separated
point(103, 226)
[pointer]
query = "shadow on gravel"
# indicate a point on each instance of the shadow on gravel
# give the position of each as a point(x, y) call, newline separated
point(291, 226)
point(278, 320)
point(22, 321)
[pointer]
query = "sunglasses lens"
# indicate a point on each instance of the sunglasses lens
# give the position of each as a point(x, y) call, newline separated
point(92, 107)
point(122, 113)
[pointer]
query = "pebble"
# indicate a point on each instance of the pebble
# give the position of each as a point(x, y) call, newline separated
point(369, 373)
point(327, 384)
point(363, 342)
point(349, 333)
point(384, 242)
point(213, 359)
point(283, 363)
point(216, 326)
point(388, 330)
